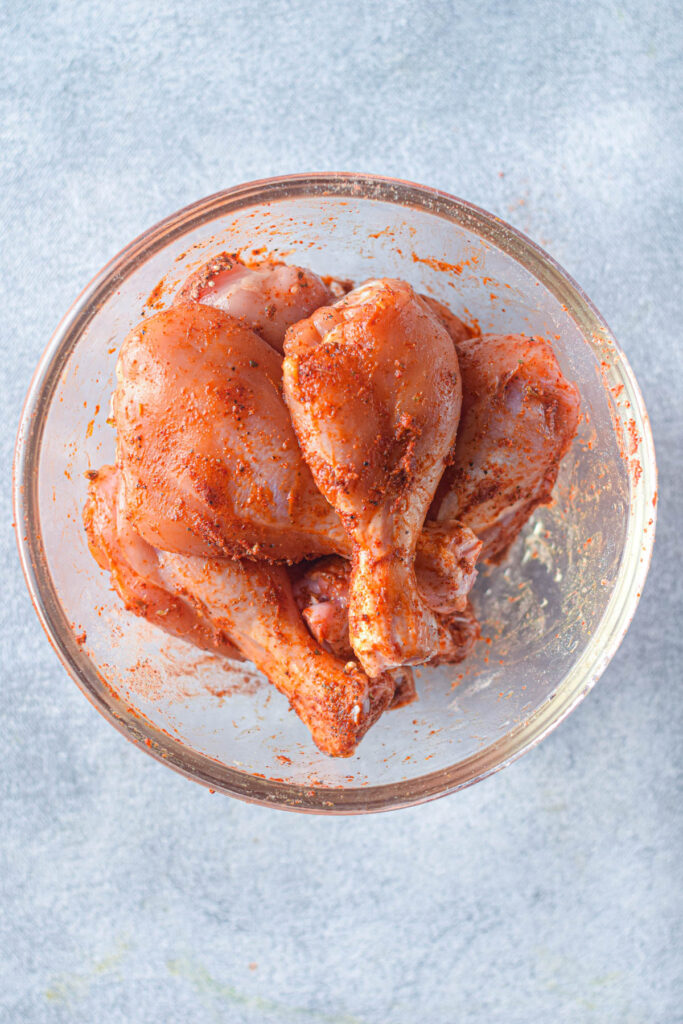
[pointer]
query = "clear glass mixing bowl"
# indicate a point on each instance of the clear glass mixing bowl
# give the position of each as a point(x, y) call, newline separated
point(552, 615)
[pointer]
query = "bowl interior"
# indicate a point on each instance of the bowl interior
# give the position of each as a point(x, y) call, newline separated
point(551, 615)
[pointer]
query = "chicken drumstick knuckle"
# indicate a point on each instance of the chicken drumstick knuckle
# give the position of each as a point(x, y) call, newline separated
point(254, 604)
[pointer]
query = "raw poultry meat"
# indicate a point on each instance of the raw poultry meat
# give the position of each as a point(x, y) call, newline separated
point(519, 417)
point(373, 388)
point(211, 463)
point(209, 459)
point(236, 607)
point(135, 570)
point(211, 490)
point(321, 591)
point(269, 297)
point(460, 632)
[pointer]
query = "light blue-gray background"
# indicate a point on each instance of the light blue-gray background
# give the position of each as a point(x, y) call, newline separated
point(551, 892)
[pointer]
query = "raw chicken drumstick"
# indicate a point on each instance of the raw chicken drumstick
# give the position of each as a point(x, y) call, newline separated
point(210, 461)
point(254, 604)
point(321, 591)
point(373, 388)
point(220, 603)
point(269, 298)
point(277, 295)
point(519, 417)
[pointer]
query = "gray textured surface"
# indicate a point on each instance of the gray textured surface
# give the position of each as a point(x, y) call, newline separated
point(549, 892)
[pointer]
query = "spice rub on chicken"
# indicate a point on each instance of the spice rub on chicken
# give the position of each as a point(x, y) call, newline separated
point(307, 475)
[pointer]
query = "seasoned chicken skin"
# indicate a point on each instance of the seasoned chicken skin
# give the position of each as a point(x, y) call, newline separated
point(269, 297)
point(519, 417)
point(136, 573)
point(236, 606)
point(321, 591)
point(373, 388)
point(210, 460)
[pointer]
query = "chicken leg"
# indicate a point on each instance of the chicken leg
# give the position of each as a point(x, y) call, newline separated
point(373, 388)
point(268, 298)
point(321, 591)
point(209, 457)
point(236, 608)
point(519, 417)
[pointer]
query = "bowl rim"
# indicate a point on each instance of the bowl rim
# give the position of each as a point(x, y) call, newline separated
point(201, 768)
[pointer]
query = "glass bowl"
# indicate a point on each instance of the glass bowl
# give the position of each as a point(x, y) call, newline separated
point(552, 615)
